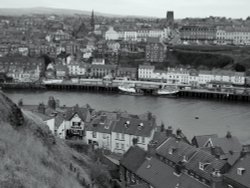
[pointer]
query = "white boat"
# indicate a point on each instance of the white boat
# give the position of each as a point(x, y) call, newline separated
point(54, 81)
point(167, 90)
point(127, 89)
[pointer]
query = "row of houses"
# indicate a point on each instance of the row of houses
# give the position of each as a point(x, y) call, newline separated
point(151, 158)
point(237, 35)
point(209, 161)
point(114, 131)
point(136, 35)
point(191, 77)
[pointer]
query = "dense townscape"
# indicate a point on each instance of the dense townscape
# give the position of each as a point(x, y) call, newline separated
point(94, 51)
point(81, 46)
point(146, 154)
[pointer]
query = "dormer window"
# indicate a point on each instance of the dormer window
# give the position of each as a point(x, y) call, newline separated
point(171, 151)
point(140, 126)
point(240, 171)
point(202, 166)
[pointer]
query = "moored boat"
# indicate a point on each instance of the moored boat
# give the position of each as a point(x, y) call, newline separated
point(167, 91)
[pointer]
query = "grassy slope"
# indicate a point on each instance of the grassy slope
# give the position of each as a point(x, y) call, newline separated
point(31, 157)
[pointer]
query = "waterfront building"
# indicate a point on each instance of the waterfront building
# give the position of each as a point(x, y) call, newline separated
point(145, 72)
point(130, 73)
point(76, 68)
point(61, 71)
point(178, 75)
point(100, 71)
point(129, 131)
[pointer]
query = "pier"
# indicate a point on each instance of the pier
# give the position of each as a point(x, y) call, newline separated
point(99, 85)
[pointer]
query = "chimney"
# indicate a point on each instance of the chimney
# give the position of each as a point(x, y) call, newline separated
point(41, 108)
point(169, 131)
point(216, 179)
point(229, 135)
point(178, 132)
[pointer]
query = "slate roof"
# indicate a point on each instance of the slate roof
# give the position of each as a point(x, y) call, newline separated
point(133, 158)
point(157, 174)
point(179, 149)
point(101, 124)
point(200, 141)
point(231, 147)
point(83, 113)
point(133, 128)
point(243, 179)
point(160, 175)
point(203, 157)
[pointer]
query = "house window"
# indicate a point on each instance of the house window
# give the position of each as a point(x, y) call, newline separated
point(117, 136)
point(104, 136)
point(117, 145)
point(76, 124)
point(123, 137)
point(122, 146)
point(94, 134)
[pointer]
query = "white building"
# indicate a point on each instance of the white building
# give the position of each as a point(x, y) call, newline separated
point(129, 131)
point(233, 35)
point(146, 72)
point(130, 35)
point(76, 68)
point(111, 34)
point(178, 76)
point(73, 125)
point(98, 132)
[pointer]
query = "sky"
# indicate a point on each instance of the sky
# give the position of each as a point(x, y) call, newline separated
point(154, 8)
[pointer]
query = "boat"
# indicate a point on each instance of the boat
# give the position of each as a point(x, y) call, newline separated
point(167, 91)
point(54, 81)
point(129, 89)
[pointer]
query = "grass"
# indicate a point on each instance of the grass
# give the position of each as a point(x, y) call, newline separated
point(32, 157)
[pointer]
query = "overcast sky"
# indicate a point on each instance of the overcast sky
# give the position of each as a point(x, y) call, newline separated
point(157, 8)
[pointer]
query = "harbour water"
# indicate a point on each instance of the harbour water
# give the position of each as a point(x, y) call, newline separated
point(193, 116)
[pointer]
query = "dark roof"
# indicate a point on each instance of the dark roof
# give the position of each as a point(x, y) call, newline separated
point(58, 120)
point(206, 158)
point(133, 158)
point(160, 175)
point(133, 127)
point(230, 146)
point(83, 113)
point(179, 150)
point(200, 141)
point(243, 179)
point(157, 174)
point(102, 124)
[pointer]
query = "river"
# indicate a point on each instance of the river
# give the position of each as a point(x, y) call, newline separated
point(213, 116)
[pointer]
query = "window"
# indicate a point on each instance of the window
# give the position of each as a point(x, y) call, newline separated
point(117, 145)
point(123, 137)
point(117, 136)
point(94, 134)
point(122, 146)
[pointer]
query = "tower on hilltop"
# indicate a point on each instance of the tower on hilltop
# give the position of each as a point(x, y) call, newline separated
point(170, 18)
point(92, 21)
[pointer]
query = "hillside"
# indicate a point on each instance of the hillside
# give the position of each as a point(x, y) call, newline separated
point(31, 157)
